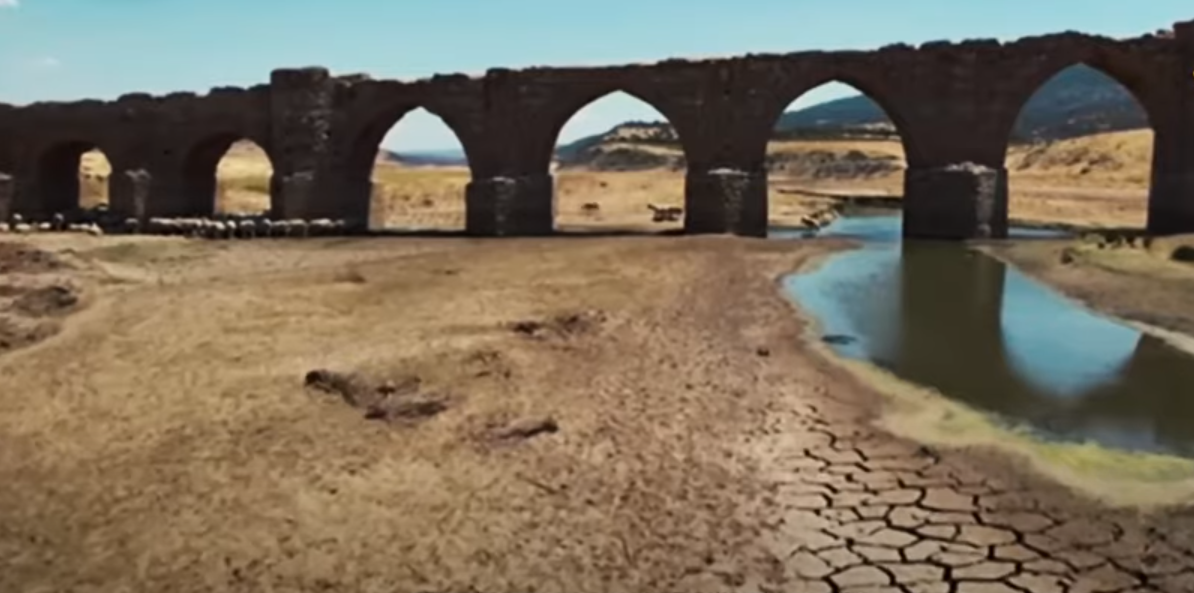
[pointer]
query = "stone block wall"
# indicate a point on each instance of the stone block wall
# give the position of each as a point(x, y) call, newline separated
point(952, 103)
point(955, 202)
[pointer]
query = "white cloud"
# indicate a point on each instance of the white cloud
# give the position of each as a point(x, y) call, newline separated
point(44, 62)
point(9, 3)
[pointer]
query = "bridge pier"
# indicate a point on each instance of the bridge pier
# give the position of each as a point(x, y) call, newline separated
point(955, 202)
point(130, 194)
point(7, 188)
point(510, 206)
point(726, 201)
point(1171, 203)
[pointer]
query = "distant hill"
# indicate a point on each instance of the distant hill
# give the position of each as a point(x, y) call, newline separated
point(451, 157)
point(1077, 102)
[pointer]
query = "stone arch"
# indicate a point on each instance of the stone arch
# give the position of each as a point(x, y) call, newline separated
point(59, 178)
point(1131, 73)
point(200, 173)
point(867, 84)
point(563, 110)
point(1130, 70)
point(362, 145)
point(805, 158)
point(626, 173)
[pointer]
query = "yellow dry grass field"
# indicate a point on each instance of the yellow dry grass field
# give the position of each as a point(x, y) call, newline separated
point(1098, 180)
point(165, 441)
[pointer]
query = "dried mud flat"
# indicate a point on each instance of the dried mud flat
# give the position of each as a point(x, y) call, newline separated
point(605, 415)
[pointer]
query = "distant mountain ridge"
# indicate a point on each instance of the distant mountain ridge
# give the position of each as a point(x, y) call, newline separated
point(1077, 102)
point(449, 157)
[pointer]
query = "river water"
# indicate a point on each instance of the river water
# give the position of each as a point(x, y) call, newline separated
point(942, 315)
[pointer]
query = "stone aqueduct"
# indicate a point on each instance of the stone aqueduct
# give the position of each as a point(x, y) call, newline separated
point(954, 105)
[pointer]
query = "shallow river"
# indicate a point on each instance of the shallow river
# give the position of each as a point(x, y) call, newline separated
point(980, 332)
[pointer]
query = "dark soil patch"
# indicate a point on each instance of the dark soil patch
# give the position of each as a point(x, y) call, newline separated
point(16, 334)
point(22, 259)
point(564, 325)
point(46, 301)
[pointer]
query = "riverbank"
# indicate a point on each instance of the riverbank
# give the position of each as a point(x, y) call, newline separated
point(575, 414)
point(1138, 283)
point(920, 412)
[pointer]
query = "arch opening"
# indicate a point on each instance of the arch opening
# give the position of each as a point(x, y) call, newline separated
point(618, 166)
point(1080, 152)
point(410, 176)
point(834, 146)
point(227, 174)
point(71, 177)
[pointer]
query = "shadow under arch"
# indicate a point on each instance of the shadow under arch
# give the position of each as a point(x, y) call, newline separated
point(57, 173)
point(542, 153)
point(199, 172)
point(872, 91)
point(357, 183)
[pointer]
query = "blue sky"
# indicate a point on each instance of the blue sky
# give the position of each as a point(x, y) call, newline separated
point(71, 49)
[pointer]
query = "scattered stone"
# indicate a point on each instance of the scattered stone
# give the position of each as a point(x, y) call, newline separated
point(412, 408)
point(526, 428)
point(351, 388)
point(564, 325)
point(763, 351)
point(1068, 256)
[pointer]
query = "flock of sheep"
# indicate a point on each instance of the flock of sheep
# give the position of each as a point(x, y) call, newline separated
point(229, 227)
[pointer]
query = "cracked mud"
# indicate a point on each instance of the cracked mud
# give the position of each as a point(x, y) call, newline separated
point(874, 514)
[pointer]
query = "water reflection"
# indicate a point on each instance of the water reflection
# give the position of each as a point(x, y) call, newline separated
point(941, 315)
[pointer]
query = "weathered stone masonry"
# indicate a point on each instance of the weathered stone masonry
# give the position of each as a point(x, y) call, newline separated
point(954, 106)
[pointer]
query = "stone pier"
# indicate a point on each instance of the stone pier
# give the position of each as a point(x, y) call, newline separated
point(726, 201)
point(510, 206)
point(956, 202)
point(6, 193)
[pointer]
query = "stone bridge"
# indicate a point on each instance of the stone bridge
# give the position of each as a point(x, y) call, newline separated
point(954, 105)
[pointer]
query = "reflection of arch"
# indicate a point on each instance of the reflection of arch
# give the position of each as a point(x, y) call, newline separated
point(1159, 401)
point(199, 172)
point(950, 301)
point(1124, 69)
point(955, 317)
point(543, 152)
point(362, 153)
point(58, 177)
point(870, 90)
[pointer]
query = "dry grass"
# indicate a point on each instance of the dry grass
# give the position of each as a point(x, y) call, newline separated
point(1098, 180)
point(164, 441)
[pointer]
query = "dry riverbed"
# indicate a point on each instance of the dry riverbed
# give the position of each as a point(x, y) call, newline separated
point(572, 414)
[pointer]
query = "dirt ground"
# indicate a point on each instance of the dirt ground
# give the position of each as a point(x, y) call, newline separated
point(569, 414)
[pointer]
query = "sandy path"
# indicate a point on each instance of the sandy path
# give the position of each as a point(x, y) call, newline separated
point(164, 441)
